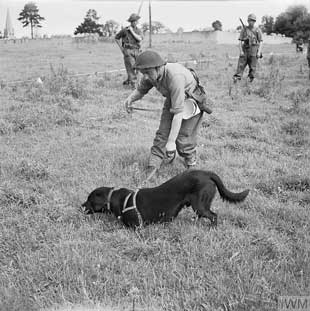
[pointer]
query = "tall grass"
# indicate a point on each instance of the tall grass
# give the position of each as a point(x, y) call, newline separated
point(62, 139)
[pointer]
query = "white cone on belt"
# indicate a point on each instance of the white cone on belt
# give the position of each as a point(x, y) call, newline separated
point(191, 109)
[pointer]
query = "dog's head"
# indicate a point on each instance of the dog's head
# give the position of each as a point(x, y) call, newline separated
point(97, 201)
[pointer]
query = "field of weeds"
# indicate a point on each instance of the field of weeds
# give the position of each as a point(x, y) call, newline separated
point(63, 138)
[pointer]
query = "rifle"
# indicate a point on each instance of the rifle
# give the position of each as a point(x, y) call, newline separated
point(247, 40)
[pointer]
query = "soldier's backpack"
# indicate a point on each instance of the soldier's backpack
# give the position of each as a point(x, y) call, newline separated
point(199, 94)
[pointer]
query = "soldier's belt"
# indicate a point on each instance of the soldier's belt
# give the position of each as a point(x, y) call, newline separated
point(131, 47)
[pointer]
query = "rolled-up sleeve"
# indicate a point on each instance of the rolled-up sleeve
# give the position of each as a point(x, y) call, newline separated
point(177, 93)
point(139, 32)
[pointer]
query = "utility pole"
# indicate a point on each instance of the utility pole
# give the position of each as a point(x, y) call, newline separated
point(150, 24)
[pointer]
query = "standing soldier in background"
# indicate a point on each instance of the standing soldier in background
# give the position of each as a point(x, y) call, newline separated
point(308, 55)
point(250, 48)
point(299, 45)
point(129, 41)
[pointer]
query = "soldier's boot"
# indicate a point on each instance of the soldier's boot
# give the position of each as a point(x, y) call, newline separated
point(236, 78)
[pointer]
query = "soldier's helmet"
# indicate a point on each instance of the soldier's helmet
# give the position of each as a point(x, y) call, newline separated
point(252, 17)
point(133, 17)
point(149, 59)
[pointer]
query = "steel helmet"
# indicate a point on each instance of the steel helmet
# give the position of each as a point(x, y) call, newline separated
point(252, 17)
point(149, 59)
point(133, 17)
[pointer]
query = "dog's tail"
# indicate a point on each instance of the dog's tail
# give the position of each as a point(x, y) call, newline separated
point(225, 193)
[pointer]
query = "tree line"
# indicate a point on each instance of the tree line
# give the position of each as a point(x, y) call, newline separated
point(294, 22)
point(110, 28)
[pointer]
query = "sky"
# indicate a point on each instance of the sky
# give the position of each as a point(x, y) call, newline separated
point(63, 16)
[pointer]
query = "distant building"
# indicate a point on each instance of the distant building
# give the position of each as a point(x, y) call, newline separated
point(8, 30)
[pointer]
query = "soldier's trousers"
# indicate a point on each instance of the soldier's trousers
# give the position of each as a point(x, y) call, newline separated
point(186, 142)
point(243, 61)
point(130, 56)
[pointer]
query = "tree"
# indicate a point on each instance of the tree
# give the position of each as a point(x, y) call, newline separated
point(217, 25)
point(110, 28)
point(92, 14)
point(30, 16)
point(294, 22)
point(90, 24)
point(267, 24)
point(157, 27)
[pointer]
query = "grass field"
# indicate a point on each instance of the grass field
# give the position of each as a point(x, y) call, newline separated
point(62, 139)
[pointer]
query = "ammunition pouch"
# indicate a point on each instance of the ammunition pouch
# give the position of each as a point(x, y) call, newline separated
point(246, 43)
point(199, 94)
point(130, 46)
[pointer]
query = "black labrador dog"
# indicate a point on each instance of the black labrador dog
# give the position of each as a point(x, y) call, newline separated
point(194, 188)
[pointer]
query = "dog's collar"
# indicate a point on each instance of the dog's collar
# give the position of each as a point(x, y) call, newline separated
point(133, 207)
point(109, 198)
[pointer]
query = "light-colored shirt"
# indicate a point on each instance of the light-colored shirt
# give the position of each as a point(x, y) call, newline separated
point(173, 84)
point(255, 37)
point(128, 40)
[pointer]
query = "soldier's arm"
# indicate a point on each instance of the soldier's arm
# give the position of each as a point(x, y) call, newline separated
point(260, 42)
point(177, 91)
point(143, 87)
point(260, 47)
point(134, 96)
point(137, 36)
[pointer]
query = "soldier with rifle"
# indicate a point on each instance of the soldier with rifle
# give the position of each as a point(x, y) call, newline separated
point(250, 48)
point(129, 41)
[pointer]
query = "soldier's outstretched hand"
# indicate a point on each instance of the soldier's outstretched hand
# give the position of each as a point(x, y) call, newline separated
point(128, 105)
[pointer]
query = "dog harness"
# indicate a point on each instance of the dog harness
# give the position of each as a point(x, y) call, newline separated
point(109, 199)
point(133, 207)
